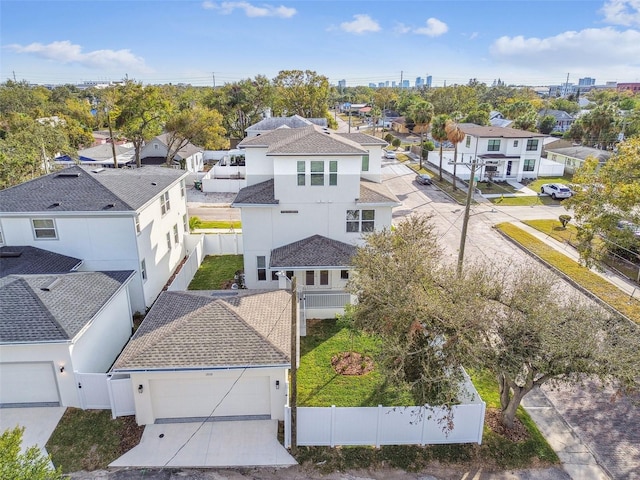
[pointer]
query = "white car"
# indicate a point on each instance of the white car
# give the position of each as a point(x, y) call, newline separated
point(389, 154)
point(556, 190)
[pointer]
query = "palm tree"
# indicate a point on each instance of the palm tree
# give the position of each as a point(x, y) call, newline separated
point(421, 113)
point(455, 136)
point(439, 134)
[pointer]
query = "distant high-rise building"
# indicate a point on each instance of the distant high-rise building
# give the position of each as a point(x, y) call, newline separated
point(429, 80)
point(393, 84)
point(372, 85)
point(405, 84)
point(381, 85)
point(419, 82)
point(586, 82)
point(342, 83)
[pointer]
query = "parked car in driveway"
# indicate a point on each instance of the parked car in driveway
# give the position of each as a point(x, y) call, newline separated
point(389, 154)
point(423, 179)
point(556, 190)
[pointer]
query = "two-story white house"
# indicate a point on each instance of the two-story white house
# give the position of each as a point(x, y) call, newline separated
point(111, 219)
point(311, 195)
point(508, 152)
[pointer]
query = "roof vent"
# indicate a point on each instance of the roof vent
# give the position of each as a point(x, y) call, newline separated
point(54, 205)
point(154, 183)
point(98, 170)
point(108, 206)
point(68, 174)
point(51, 285)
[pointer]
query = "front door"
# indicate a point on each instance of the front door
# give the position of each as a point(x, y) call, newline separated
point(509, 168)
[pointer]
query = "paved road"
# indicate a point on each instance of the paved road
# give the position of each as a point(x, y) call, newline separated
point(609, 429)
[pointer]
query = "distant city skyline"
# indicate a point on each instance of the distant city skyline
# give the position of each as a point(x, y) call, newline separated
point(527, 42)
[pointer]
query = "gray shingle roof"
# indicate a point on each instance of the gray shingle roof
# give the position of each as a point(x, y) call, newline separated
point(31, 260)
point(314, 251)
point(185, 152)
point(189, 330)
point(262, 193)
point(294, 121)
point(372, 192)
point(363, 139)
point(29, 314)
point(497, 132)
point(558, 114)
point(310, 140)
point(582, 153)
point(80, 189)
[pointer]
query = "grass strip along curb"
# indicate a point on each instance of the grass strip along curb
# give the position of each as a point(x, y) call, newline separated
point(606, 294)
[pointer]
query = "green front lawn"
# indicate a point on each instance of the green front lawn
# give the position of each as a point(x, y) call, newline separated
point(219, 224)
point(216, 272)
point(320, 386)
point(554, 229)
point(537, 183)
point(605, 291)
point(524, 201)
point(91, 439)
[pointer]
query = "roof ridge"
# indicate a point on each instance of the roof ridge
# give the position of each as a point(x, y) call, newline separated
point(37, 298)
point(103, 186)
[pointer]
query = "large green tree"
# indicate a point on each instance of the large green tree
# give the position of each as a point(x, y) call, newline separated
point(305, 93)
point(455, 135)
point(439, 134)
point(421, 113)
point(508, 320)
point(607, 194)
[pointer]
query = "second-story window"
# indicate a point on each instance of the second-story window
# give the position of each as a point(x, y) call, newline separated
point(182, 188)
point(468, 141)
point(301, 173)
point(137, 223)
point(169, 240)
point(165, 206)
point(176, 235)
point(532, 145)
point(365, 163)
point(333, 172)
point(361, 220)
point(494, 146)
point(317, 172)
point(262, 267)
point(515, 144)
point(44, 228)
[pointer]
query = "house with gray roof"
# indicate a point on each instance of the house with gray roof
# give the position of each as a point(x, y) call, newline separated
point(574, 156)
point(210, 354)
point(54, 325)
point(272, 123)
point(25, 260)
point(311, 194)
point(110, 218)
point(188, 155)
point(563, 119)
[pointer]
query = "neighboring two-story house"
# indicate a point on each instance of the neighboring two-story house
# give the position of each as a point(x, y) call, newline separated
point(155, 153)
point(506, 152)
point(311, 195)
point(563, 119)
point(111, 219)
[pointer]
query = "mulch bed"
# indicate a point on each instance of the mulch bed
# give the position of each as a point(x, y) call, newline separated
point(130, 433)
point(517, 434)
point(352, 363)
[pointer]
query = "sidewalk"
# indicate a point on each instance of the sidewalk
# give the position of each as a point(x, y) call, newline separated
point(522, 191)
point(625, 285)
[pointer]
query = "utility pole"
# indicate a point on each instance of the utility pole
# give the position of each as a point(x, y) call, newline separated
point(214, 79)
point(566, 87)
point(293, 399)
point(401, 72)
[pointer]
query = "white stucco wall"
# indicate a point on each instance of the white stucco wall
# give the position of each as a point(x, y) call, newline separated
point(144, 403)
point(97, 346)
point(259, 167)
point(59, 354)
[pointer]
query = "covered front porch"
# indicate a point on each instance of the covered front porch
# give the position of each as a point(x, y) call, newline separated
point(320, 267)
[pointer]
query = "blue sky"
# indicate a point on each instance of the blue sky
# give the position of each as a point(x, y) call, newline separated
point(521, 42)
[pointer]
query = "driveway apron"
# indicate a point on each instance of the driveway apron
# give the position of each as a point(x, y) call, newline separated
point(209, 444)
point(38, 422)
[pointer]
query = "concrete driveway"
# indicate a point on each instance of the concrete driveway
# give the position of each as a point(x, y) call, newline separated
point(210, 444)
point(38, 422)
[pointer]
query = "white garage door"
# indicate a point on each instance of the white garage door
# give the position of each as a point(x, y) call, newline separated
point(28, 383)
point(198, 397)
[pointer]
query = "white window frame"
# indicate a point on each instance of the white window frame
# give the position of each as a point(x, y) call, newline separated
point(176, 234)
point(42, 228)
point(165, 204)
point(137, 220)
point(530, 143)
point(356, 217)
point(261, 267)
point(301, 173)
point(185, 222)
point(169, 240)
point(182, 188)
point(143, 269)
point(333, 173)
point(316, 175)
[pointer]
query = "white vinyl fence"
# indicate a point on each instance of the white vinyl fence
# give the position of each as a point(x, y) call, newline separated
point(419, 425)
point(100, 391)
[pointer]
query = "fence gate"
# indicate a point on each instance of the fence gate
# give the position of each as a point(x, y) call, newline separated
point(121, 395)
point(93, 390)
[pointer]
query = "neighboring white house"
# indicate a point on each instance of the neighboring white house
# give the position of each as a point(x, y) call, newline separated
point(155, 153)
point(53, 325)
point(201, 355)
point(563, 119)
point(101, 156)
point(573, 157)
point(510, 153)
point(112, 219)
point(311, 195)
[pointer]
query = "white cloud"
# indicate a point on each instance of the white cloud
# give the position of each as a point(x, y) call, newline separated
point(592, 49)
point(402, 28)
point(361, 24)
point(66, 52)
point(250, 10)
point(622, 12)
point(434, 28)
point(473, 36)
